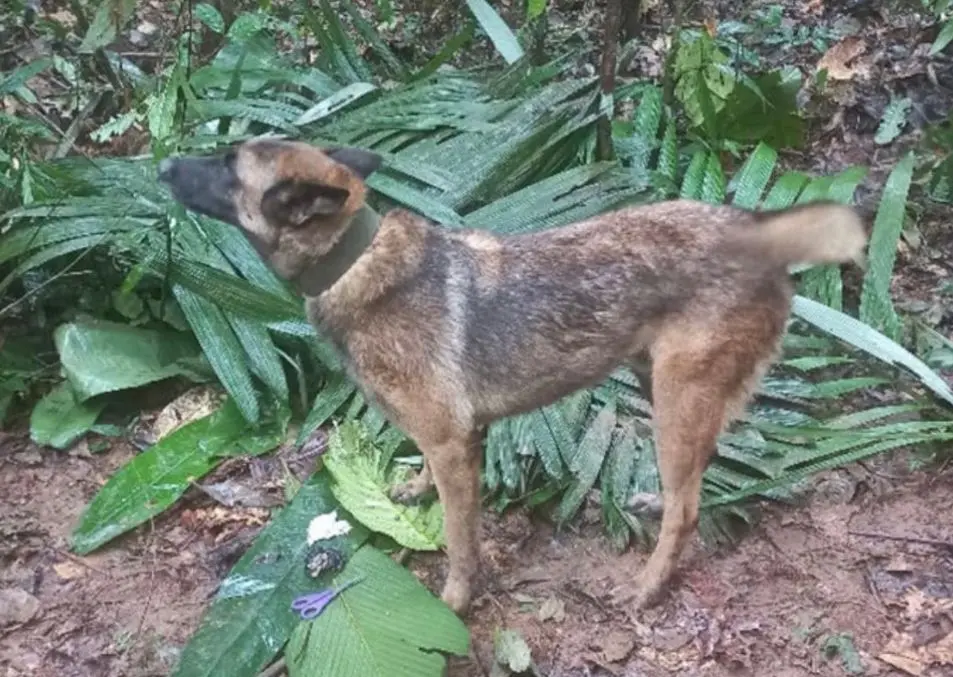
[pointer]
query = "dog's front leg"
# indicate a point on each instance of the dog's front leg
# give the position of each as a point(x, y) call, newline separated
point(455, 465)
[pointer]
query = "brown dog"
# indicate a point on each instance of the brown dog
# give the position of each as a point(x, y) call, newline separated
point(449, 330)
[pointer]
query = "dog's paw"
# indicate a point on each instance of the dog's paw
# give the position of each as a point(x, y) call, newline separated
point(410, 492)
point(456, 595)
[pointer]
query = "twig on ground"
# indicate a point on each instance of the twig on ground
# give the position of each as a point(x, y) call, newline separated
point(935, 542)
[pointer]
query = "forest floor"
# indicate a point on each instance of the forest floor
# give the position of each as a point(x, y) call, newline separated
point(857, 580)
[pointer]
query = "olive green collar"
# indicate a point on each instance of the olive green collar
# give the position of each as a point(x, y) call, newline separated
point(323, 273)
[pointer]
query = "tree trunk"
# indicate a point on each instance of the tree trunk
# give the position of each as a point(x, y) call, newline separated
point(668, 76)
point(610, 46)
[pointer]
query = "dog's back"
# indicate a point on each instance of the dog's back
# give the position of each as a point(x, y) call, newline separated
point(524, 320)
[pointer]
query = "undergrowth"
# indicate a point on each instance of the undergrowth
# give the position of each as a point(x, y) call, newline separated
point(109, 287)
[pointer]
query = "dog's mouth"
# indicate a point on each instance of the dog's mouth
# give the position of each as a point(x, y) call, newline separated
point(206, 185)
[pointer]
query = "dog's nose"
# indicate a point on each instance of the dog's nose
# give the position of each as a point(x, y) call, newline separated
point(166, 168)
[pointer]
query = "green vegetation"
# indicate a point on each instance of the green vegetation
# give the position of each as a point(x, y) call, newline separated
point(108, 286)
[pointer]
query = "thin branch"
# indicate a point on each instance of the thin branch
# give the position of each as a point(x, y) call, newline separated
point(610, 47)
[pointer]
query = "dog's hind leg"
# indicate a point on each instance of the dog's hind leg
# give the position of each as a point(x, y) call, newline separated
point(700, 379)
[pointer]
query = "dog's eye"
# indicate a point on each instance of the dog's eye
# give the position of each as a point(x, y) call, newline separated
point(230, 159)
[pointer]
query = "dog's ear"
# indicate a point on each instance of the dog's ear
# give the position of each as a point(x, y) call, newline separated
point(362, 162)
point(297, 202)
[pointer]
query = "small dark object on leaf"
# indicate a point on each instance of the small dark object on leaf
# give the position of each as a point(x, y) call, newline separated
point(321, 559)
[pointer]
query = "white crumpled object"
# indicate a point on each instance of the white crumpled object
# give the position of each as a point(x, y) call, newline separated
point(327, 526)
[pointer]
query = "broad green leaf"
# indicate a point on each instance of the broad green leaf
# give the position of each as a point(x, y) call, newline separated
point(60, 418)
point(363, 488)
point(156, 478)
point(865, 338)
point(499, 33)
point(221, 347)
point(535, 8)
point(13, 80)
point(162, 107)
point(210, 16)
point(387, 625)
point(764, 109)
point(250, 618)
point(876, 306)
point(943, 38)
point(100, 357)
point(785, 190)
point(111, 15)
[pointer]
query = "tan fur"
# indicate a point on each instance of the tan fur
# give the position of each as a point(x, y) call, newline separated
point(450, 330)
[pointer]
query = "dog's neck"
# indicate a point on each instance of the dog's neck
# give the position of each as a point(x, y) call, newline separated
point(321, 275)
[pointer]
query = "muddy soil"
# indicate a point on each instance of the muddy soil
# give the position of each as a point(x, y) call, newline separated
point(859, 580)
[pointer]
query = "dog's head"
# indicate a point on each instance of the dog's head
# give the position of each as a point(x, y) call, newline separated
point(291, 199)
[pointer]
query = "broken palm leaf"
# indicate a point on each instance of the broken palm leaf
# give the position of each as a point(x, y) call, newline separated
point(222, 348)
point(749, 183)
point(876, 306)
point(588, 461)
point(869, 340)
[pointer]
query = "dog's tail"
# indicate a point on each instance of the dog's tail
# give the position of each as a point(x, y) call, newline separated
point(822, 232)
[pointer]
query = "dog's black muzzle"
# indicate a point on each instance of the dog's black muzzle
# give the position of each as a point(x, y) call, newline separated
point(207, 185)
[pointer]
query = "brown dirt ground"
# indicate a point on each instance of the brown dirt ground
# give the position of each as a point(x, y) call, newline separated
point(869, 557)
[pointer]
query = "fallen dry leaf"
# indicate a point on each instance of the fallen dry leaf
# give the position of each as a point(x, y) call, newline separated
point(837, 60)
point(552, 609)
point(915, 652)
point(69, 570)
point(617, 645)
point(911, 666)
point(191, 405)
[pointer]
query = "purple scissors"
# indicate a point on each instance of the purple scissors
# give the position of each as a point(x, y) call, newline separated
point(310, 606)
